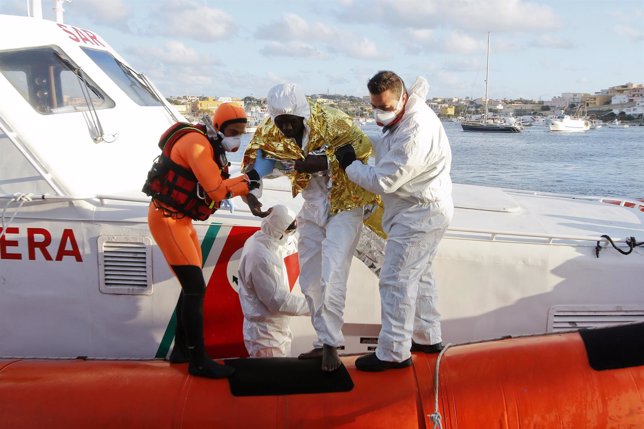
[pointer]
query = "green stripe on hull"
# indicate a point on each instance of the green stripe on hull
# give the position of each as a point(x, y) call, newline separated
point(168, 336)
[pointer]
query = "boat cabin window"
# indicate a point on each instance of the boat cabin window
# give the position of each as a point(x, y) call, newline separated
point(126, 78)
point(50, 82)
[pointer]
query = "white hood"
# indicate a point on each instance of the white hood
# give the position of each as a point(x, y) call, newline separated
point(287, 99)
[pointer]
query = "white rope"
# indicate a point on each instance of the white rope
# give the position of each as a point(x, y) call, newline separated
point(435, 417)
point(18, 197)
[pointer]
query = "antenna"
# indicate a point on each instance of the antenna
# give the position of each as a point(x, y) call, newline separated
point(34, 8)
point(58, 9)
point(487, 73)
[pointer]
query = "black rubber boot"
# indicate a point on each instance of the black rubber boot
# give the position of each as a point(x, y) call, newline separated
point(194, 289)
point(179, 352)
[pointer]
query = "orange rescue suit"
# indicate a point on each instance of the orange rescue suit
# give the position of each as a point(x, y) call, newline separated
point(174, 232)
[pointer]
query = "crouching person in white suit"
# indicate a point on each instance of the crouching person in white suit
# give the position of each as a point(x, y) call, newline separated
point(266, 299)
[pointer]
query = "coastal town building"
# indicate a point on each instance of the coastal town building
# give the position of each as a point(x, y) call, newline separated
point(624, 101)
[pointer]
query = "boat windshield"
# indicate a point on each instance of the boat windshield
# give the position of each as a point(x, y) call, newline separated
point(49, 81)
point(124, 77)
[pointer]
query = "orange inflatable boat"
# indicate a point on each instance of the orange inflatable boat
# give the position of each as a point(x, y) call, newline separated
point(592, 379)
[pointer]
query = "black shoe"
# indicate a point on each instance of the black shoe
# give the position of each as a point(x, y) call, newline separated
point(426, 348)
point(370, 362)
point(210, 369)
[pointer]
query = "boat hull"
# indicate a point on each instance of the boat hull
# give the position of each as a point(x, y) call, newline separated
point(535, 381)
point(570, 125)
point(490, 128)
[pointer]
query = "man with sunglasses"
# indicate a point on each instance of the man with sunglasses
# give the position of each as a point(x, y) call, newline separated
point(264, 292)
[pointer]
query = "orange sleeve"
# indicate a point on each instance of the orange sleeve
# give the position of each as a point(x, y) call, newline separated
point(194, 151)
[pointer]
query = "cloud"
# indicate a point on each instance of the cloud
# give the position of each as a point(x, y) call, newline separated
point(635, 34)
point(292, 27)
point(453, 42)
point(291, 49)
point(15, 7)
point(113, 12)
point(186, 18)
point(465, 15)
point(293, 36)
point(175, 68)
point(362, 48)
point(464, 65)
point(550, 41)
point(175, 52)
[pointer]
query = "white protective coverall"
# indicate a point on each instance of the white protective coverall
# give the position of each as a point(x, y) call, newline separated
point(412, 173)
point(326, 242)
point(264, 292)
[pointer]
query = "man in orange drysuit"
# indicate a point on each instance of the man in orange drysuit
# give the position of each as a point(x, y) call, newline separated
point(188, 181)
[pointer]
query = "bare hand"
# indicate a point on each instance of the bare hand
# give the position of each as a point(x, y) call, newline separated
point(255, 206)
point(311, 164)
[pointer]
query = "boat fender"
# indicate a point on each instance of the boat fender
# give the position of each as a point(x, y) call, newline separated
point(614, 347)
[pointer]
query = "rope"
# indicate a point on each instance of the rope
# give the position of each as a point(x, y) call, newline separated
point(19, 197)
point(631, 242)
point(435, 417)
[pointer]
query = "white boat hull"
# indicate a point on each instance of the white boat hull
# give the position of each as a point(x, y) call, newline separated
point(572, 125)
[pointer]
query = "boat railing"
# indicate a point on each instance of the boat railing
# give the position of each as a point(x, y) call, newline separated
point(528, 238)
point(623, 202)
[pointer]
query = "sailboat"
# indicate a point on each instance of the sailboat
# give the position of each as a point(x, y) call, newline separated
point(487, 124)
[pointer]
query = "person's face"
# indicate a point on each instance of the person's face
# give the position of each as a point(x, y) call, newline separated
point(234, 130)
point(386, 100)
point(290, 125)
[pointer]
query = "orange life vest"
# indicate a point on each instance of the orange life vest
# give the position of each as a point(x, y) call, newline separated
point(177, 187)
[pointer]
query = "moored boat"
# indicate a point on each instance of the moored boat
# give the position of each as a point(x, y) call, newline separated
point(569, 123)
point(486, 123)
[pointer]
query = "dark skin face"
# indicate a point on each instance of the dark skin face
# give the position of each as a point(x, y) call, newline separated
point(291, 126)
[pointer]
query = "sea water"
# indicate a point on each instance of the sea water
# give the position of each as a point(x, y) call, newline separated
point(599, 162)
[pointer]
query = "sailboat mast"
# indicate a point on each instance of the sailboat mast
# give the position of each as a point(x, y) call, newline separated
point(487, 73)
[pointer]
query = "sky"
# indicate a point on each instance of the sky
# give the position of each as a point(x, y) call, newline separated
point(539, 49)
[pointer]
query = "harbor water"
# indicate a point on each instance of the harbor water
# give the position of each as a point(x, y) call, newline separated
point(600, 162)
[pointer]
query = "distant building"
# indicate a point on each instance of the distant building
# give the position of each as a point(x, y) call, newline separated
point(210, 104)
point(448, 111)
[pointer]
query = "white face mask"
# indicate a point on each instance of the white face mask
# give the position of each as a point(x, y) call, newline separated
point(385, 117)
point(231, 144)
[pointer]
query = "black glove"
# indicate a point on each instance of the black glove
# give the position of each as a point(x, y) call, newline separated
point(253, 176)
point(345, 155)
point(312, 164)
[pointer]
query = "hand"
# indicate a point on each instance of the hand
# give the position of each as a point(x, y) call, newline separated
point(312, 164)
point(345, 155)
point(255, 206)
